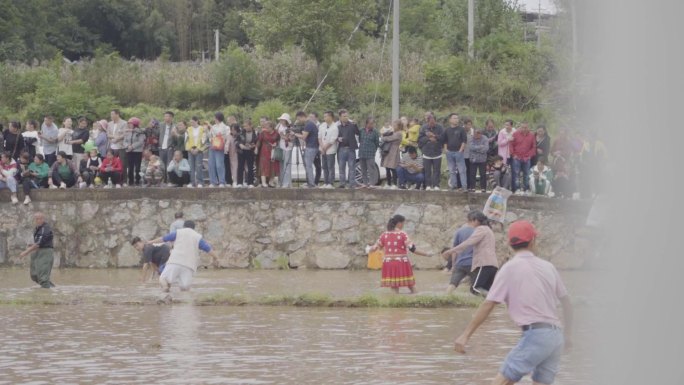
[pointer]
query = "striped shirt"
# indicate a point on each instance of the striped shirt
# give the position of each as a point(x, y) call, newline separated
point(413, 166)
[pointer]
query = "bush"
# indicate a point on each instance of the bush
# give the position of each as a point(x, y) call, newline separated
point(234, 78)
point(270, 108)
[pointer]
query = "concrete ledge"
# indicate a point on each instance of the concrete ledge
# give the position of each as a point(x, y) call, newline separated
point(297, 194)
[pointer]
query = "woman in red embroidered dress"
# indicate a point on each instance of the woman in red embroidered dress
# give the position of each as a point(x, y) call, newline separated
point(396, 266)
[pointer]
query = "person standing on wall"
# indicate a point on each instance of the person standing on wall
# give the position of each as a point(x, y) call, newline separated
point(79, 137)
point(346, 152)
point(116, 130)
point(328, 138)
point(42, 258)
point(531, 289)
point(478, 146)
point(456, 141)
point(166, 141)
point(431, 142)
point(218, 134)
point(309, 135)
point(523, 148)
point(134, 141)
point(313, 117)
point(48, 138)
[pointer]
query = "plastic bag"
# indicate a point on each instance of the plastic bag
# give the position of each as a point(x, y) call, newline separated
point(495, 208)
point(375, 259)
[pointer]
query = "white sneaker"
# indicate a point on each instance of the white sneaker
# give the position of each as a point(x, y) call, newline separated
point(250, 186)
point(189, 186)
point(14, 200)
point(222, 185)
point(107, 186)
point(170, 185)
point(62, 185)
point(52, 186)
point(436, 189)
point(92, 185)
point(428, 188)
point(394, 187)
point(199, 186)
point(235, 185)
point(27, 200)
point(118, 186)
point(82, 185)
point(125, 184)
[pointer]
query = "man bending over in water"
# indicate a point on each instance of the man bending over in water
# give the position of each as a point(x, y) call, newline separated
point(184, 259)
point(154, 257)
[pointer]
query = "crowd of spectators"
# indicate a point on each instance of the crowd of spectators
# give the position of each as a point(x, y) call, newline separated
point(222, 152)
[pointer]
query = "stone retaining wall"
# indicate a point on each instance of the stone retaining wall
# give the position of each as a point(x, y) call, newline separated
point(273, 228)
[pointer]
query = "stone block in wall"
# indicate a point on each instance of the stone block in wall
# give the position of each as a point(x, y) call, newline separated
point(410, 212)
point(235, 254)
point(127, 256)
point(331, 258)
point(270, 259)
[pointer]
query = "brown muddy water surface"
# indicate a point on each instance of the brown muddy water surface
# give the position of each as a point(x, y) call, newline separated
point(97, 341)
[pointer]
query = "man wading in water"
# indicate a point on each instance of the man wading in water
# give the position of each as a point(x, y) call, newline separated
point(43, 258)
point(531, 288)
point(182, 263)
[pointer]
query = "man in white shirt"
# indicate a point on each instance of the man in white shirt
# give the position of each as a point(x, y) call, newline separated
point(327, 141)
point(165, 144)
point(184, 258)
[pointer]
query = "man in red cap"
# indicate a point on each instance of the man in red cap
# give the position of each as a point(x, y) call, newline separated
point(531, 289)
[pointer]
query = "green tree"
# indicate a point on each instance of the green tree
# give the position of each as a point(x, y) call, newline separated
point(319, 26)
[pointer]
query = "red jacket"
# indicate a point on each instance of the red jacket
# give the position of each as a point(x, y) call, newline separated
point(524, 147)
point(115, 163)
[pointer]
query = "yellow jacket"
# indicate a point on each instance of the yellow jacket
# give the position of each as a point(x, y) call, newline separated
point(411, 136)
point(201, 143)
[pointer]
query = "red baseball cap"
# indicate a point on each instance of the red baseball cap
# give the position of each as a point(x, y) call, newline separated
point(521, 232)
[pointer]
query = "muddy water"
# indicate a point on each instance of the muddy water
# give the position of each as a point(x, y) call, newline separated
point(93, 342)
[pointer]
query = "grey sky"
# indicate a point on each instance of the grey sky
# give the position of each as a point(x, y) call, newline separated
point(533, 5)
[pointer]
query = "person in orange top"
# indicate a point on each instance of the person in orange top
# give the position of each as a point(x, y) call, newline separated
point(396, 267)
point(111, 168)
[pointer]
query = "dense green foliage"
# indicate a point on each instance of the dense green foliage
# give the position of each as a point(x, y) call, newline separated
point(145, 56)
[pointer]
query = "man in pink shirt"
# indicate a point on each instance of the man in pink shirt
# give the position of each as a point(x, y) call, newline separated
point(531, 289)
point(523, 148)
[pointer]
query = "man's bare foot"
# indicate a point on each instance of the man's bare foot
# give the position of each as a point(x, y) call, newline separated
point(164, 286)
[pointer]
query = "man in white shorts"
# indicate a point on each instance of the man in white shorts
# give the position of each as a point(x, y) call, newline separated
point(531, 289)
point(184, 258)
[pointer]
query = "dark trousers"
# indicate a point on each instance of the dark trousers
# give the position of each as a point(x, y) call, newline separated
point(391, 176)
point(41, 267)
point(229, 174)
point(50, 159)
point(124, 161)
point(246, 166)
point(114, 176)
point(57, 179)
point(432, 168)
point(89, 177)
point(30, 183)
point(165, 156)
point(317, 167)
point(179, 181)
point(474, 168)
point(134, 161)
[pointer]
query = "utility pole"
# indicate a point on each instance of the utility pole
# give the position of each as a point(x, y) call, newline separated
point(216, 40)
point(539, 26)
point(471, 28)
point(395, 61)
point(574, 36)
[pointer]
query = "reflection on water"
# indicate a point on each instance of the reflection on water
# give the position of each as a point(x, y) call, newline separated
point(183, 344)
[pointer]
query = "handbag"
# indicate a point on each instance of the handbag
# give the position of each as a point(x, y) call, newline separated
point(218, 143)
point(385, 147)
point(375, 260)
point(277, 154)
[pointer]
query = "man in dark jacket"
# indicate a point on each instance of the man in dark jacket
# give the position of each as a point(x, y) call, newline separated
point(43, 254)
point(431, 143)
point(346, 150)
point(154, 257)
